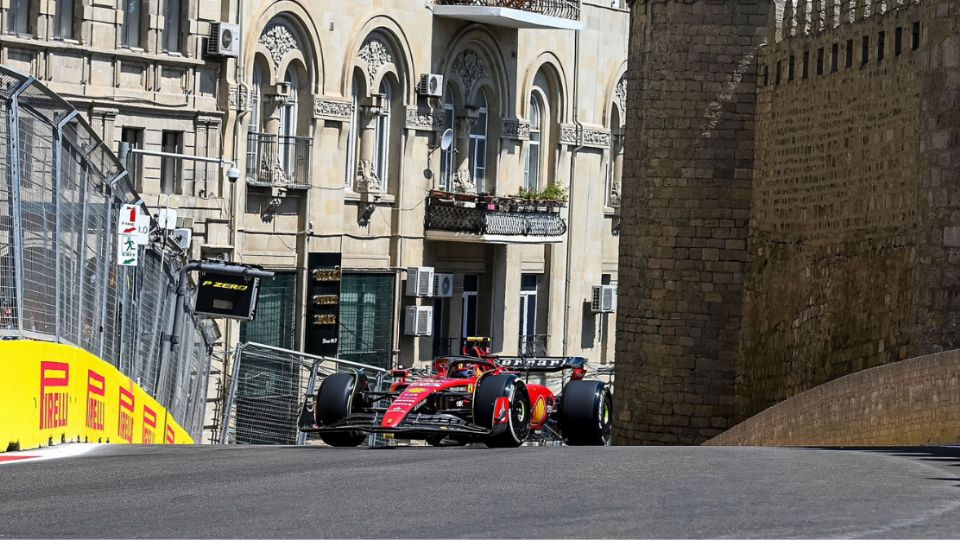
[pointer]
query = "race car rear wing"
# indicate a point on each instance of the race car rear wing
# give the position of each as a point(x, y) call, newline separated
point(541, 363)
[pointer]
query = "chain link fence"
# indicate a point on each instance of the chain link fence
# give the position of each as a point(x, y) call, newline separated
point(60, 195)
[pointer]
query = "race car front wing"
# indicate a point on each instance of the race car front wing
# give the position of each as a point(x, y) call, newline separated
point(413, 425)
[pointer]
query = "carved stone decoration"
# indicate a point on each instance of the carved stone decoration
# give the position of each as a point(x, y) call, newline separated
point(595, 137)
point(278, 40)
point(516, 130)
point(568, 134)
point(237, 98)
point(469, 68)
point(376, 54)
point(271, 170)
point(367, 180)
point(424, 119)
point(621, 96)
point(331, 109)
point(463, 182)
point(615, 194)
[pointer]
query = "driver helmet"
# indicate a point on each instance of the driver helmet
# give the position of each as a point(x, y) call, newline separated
point(462, 370)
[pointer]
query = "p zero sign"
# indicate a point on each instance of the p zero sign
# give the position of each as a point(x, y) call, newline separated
point(223, 295)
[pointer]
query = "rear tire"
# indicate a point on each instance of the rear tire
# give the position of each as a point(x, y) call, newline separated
point(516, 430)
point(586, 413)
point(334, 403)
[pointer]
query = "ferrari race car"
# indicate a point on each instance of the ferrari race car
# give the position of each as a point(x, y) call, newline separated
point(463, 400)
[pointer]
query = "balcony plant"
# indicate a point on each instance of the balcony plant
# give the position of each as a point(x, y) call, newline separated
point(551, 196)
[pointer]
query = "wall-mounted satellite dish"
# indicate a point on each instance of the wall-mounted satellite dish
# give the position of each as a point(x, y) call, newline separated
point(446, 141)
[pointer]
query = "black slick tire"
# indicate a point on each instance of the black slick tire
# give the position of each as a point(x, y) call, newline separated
point(586, 413)
point(515, 431)
point(334, 403)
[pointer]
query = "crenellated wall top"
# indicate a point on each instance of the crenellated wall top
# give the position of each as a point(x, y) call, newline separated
point(798, 18)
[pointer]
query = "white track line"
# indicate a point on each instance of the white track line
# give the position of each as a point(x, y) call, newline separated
point(59, 451)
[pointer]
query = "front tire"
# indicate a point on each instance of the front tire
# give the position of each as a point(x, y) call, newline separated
point(516, 429)
point(586, 413)
point(334, 403)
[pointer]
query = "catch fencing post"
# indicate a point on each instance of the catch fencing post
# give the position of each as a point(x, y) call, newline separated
point(13, 134)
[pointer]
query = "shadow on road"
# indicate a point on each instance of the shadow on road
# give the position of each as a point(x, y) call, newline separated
point(942, 455)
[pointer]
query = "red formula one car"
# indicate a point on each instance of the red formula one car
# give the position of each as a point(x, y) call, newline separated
point(463, 400)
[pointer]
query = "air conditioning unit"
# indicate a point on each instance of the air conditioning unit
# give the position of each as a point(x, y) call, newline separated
point(604, 299)
point(418, 321)
point(443, 285)
point(420, 281)
point(224, 40)
point(430, 85)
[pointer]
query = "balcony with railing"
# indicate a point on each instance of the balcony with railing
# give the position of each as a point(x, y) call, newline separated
point(278, 161)
point(493, 220)
point(557, 14)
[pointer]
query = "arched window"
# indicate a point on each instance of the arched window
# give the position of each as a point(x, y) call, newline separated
point(615, 164)
point(256, 93)
point(381, 150)
point(534, 163)
point(288, 122)
point(478, 144)
point(448, 156)
point(351, 174)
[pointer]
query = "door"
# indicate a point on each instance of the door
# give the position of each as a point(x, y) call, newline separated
point(529, 283)
point(471, 290)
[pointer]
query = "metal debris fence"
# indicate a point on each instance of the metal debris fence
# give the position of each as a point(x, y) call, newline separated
point(61, 189)
point(268, 389)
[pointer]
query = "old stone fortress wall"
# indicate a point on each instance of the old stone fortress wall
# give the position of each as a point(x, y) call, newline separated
point(851, 259)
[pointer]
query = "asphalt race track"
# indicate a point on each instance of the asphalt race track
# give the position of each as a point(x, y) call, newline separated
point(476, 492)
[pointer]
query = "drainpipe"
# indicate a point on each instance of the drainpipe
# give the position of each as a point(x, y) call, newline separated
point(573, 173)
point(233, 225)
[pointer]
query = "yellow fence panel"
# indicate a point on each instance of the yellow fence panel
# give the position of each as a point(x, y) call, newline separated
point(52, 393)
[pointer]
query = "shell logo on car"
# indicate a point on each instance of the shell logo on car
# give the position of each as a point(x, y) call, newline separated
point(539, 411)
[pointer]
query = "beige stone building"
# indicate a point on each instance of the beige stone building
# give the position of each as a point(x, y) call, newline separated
point(332, 113)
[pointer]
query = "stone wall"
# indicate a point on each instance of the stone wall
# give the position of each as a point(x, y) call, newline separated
point(906, 403)
point(834, 232)
point(852, 252)
point(686, 205)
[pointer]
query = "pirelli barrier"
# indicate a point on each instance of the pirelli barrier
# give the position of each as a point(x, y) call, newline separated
point(52, 393)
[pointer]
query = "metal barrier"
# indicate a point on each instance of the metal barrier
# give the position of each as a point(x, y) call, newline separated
point(268, 389)
point(61, 189)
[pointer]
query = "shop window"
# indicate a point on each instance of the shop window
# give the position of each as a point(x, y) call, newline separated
point(366, 318)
